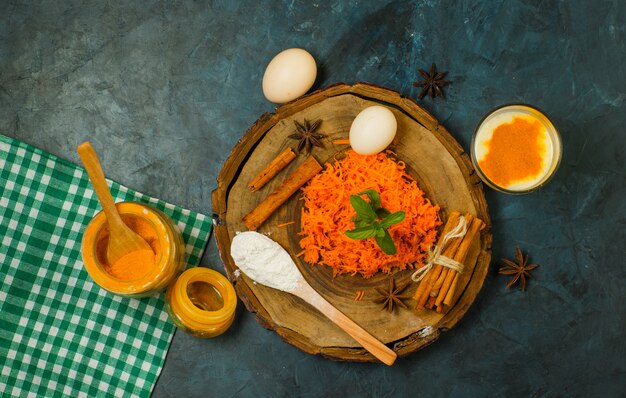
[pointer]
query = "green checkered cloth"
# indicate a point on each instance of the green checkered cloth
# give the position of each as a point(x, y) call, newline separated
point(60, 333)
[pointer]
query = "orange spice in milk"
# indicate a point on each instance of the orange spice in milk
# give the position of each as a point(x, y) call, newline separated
point(515, 152)
point(516, 148)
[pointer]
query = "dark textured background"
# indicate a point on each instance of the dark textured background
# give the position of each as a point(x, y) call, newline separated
point(165, 89)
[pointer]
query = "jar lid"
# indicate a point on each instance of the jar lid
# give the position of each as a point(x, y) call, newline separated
point(191, 313)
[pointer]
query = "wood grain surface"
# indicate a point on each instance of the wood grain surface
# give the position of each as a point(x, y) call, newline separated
point(438, 163)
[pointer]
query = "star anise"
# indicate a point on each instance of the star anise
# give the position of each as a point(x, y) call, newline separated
point(392, 297)
point(308, 138)
point(433, 82)
point(519, 270)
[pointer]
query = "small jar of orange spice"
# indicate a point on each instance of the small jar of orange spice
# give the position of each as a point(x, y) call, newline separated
point(139, 279)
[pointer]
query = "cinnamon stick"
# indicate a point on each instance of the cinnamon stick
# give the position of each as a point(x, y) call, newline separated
point(341, 142)
point(439, 282)
point(439, 272)
point(451, 291)
point(460, 257)
point(448, 300)
point(428, 282)
point(448, 252)
point(422, 293)
point(309, 168)
point(273, 168)
point(430, 302)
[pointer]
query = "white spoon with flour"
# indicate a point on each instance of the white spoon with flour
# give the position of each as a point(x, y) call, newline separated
point(267, 263)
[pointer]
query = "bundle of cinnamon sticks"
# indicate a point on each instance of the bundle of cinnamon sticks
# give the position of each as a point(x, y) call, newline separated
point(437, 288)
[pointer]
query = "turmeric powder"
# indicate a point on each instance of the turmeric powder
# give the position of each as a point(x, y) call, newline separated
point(515, 153)
point(133, 266)
point(136, 264)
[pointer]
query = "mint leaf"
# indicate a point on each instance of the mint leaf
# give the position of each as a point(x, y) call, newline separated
point(386, 243)
point(373, 196)
point(360, 223)
point(392, 219)
point(363, 209)
point(382, 212)
point(372, 221)
point(361, 233)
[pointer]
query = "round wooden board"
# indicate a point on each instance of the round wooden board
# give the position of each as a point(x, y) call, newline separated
point(433, 158)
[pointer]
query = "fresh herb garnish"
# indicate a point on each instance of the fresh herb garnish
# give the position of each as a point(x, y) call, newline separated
point(372, 221)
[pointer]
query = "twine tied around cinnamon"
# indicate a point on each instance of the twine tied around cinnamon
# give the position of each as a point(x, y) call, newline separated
point(434, 254)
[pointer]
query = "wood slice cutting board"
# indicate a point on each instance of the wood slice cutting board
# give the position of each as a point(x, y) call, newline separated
point(433, 157)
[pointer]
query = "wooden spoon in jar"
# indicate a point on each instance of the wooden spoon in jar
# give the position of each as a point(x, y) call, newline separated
point(122, 239)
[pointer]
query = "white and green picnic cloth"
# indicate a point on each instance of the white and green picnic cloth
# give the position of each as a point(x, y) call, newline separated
point(60, 333)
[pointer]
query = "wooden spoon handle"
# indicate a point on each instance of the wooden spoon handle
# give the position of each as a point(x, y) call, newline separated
point(91, 162)
point(369, 342)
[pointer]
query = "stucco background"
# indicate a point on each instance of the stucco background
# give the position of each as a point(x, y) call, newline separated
point(165, 89)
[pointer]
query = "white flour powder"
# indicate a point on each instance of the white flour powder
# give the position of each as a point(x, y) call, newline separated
point(264, 260)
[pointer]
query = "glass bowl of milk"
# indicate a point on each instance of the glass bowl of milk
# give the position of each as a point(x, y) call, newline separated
point(516, 149)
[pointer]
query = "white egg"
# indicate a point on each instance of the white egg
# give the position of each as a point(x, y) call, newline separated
point(289, 75)
point(372, 130)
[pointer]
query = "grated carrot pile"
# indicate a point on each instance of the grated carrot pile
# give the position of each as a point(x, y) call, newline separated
point(327, 214)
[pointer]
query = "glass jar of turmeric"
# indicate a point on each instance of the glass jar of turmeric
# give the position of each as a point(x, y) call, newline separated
point(141, 279)
point(201, 302)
